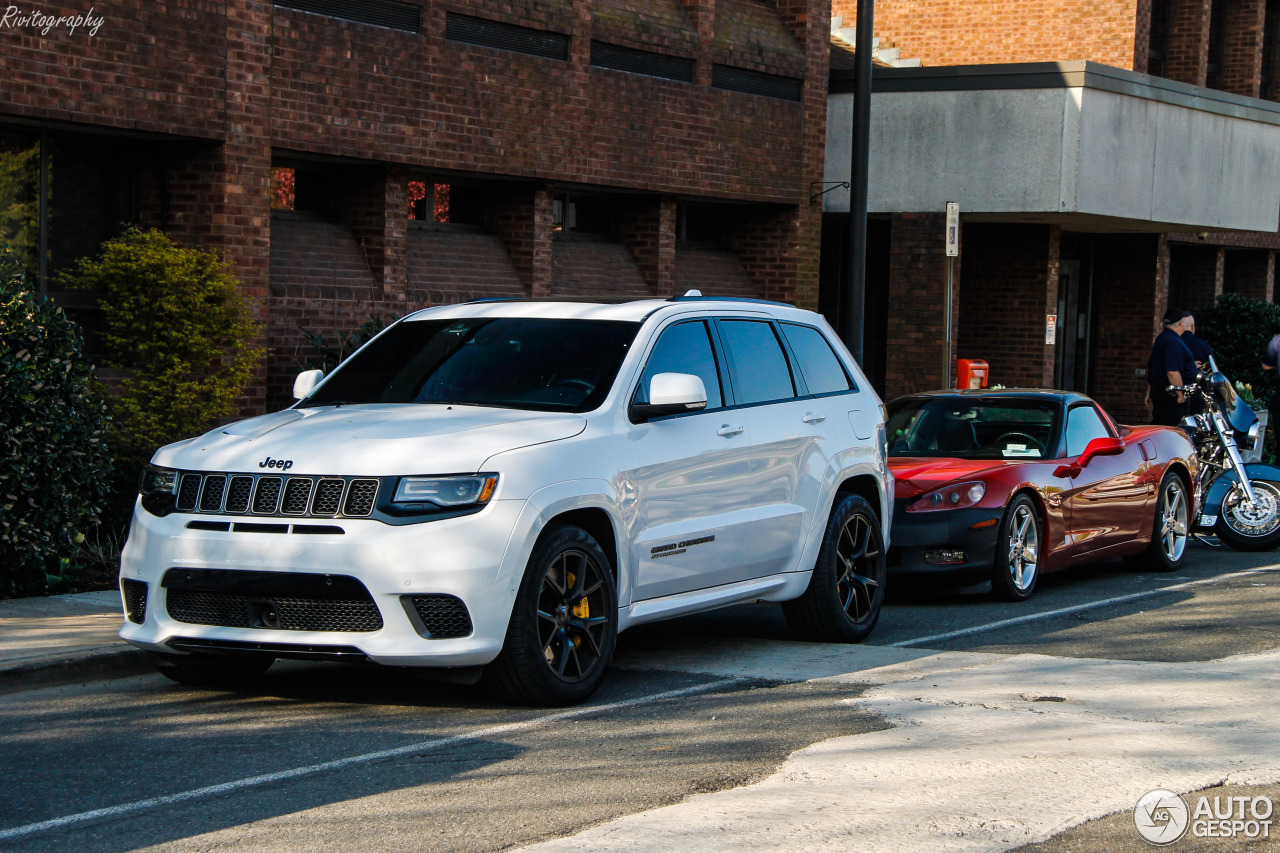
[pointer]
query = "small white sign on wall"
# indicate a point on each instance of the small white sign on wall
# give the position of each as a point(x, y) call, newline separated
point(1050, 329)
point(953, 229)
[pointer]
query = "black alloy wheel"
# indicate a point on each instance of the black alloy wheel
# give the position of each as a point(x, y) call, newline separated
point(564, 625)
point(842, 602)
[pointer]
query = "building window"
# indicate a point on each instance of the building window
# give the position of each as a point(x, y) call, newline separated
point(583, 215)
point(429, 202)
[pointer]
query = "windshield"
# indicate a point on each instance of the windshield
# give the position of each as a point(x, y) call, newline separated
point(972, 427)
point(554, 365)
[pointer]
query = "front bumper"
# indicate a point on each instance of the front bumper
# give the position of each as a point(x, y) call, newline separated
point(917, 534)
point(467, 557)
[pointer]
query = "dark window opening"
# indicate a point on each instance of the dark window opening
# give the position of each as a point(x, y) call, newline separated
point(1218, 24)
point(583, 215)
point(450, 204)
point(379, 13)
point(629, 59)
point(756, 83)
point(1269, 88)
point(1158, 48)
point(485, 33)
point(707, 224)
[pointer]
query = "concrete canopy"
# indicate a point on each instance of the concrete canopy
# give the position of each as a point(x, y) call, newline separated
point(1077, 144)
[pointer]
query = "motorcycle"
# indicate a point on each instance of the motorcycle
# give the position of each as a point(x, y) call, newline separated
point(1238, 502)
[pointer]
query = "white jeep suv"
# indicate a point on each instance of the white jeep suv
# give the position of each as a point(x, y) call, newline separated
point(496, 489)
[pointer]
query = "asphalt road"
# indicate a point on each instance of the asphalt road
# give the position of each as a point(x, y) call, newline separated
point(323, 757)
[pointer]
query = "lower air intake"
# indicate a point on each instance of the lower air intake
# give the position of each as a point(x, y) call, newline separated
point(135, 600)
point(231, 610)
point(439, 616)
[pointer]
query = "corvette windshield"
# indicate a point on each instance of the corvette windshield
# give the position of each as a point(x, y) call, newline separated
point(972, 427)
point(555, 365)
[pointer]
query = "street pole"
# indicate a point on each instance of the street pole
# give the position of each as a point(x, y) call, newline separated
point(856, 267)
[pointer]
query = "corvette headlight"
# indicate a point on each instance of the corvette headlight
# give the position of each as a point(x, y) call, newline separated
point(959, 496)
point(450, 492)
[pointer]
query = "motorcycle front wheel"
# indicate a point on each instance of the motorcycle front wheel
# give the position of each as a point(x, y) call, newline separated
point(1251, 527)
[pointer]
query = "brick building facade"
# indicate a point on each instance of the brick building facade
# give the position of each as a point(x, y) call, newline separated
point(564, 147)
point(1105, 280)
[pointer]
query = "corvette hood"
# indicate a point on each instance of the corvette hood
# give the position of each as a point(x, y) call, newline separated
point(369, 440)
point(917, 475)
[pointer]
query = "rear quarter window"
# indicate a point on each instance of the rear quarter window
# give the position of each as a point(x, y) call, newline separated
point(819, 365)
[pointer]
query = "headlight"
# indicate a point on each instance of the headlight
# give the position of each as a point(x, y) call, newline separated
point(959, 496)
point(469, 490)
point(158, 481)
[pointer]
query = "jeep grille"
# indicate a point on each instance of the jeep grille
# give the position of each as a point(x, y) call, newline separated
point(276, 496)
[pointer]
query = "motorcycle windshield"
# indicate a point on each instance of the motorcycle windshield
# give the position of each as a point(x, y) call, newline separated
point(1241, 417)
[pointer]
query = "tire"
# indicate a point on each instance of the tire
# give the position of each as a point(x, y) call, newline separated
point(1018, 544)
point(1248, 528)
point(1171, 529)
point(846, 591)
point(564, 624)
point(227, 672)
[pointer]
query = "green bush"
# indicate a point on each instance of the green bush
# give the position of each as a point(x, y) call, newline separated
point(178, 326)
point(1239, 329)
point(54, 460)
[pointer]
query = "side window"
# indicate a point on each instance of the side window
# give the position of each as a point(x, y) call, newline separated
point(819, 364)
point(1083, 426)
point(760, 367)
point(684, 348)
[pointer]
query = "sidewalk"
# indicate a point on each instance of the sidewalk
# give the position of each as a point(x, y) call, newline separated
point(64, 639)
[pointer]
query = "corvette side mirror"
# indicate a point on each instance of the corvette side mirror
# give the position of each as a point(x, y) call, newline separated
point(1105, 446)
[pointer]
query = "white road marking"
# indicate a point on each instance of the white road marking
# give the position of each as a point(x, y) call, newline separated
point(341, 763)
point(1076, 608)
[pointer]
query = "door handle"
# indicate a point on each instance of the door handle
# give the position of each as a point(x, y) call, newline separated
point(729, 431)
point(813, 418)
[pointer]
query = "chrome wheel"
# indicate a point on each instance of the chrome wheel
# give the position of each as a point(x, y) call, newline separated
point(1174, 518)
point(857, 557)
point(1017, 558)
point(572, 616)
point(1257, 519)
point(1024, 547)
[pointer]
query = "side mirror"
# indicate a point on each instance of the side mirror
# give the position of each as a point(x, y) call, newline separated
point(306, 383)
point(671, 394)
point(1105, 446)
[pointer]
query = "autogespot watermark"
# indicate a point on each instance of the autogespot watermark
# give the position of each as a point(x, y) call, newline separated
point(1163, 817)
point(14, 18)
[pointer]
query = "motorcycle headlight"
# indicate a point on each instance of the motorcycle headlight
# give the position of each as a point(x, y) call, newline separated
point(959, 496)
point(449, 492)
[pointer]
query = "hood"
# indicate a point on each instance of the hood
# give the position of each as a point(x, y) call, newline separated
point(369, 440)
point(917, 475)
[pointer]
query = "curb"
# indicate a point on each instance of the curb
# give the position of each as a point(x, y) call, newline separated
point(106, 664)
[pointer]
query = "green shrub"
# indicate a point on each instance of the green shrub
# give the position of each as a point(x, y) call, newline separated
point(1239, 328)
point(54, 459)
point(178, 326)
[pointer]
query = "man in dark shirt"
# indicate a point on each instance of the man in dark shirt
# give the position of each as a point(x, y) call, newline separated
point(1270, 358)
point(1200, 350)
point(1171, 363)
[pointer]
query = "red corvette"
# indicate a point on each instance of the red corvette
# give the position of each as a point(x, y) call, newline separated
point(1002, 486)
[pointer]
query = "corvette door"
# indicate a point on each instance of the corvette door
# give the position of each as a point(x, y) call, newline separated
point(1110, 499)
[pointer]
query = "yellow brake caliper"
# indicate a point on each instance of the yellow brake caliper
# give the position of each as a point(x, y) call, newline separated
point(582, 610)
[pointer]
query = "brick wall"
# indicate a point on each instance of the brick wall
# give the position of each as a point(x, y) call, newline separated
point(595, 266)
point(1010, 283)
point(1195, 277)
point(1250, 273)
point(648, 229)
point(969, 32)
point(1131, 291)
point(916, 305)
point(1242, 47)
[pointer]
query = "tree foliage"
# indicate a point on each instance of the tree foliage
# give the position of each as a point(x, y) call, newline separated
point(54, 460)
point(1239, 329)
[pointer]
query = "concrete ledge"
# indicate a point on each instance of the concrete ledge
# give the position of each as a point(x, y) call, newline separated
point(117, 662)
